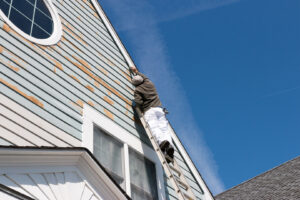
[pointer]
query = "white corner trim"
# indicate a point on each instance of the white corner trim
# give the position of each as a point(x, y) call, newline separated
point(113, 33)
point(57, 27)
point(91, 117)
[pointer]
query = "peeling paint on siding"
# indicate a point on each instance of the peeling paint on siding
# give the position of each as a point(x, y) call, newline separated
point(8, 64)
point(108, 100)
point(90, 88)
point(75, 78)
point(99, 80)
point(109, 114)
point(31, 98)
point(91, 103)
point(80, 103)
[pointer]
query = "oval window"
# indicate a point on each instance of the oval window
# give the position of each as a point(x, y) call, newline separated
point(36, 20)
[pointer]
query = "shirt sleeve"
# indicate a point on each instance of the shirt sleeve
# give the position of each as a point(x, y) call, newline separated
point(142, 75)
point(138, 99)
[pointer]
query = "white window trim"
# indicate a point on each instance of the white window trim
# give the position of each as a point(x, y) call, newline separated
point(91, 117)
point(57, 27)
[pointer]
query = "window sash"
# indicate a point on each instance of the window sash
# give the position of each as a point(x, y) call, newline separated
point(110, 153)
point(142, 176)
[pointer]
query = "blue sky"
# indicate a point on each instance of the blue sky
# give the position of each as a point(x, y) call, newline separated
point(228, 71)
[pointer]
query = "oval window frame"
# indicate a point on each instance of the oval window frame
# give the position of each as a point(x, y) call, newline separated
point(57, 26)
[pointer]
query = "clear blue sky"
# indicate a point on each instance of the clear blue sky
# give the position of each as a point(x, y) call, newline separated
point(236, 69)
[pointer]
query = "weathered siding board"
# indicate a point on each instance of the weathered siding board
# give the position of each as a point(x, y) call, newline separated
point(58, 71)
point(42, 89)
point(50, 104)
point(5, 121)
point(14, 138)
point(89, 18)
point(35, 108)
point(29, 119)
point(93, 15)
point(65, 56)
point(42, 134)
point(96, 61)
point(85, 30)
point(4, 142)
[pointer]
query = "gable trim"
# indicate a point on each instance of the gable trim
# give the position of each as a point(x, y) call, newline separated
point(112, 32)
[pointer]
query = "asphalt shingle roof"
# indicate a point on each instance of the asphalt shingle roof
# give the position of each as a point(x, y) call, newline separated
point(280, 183)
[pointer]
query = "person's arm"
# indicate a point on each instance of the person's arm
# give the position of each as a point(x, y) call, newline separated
point(135, 71)
point(138, 99)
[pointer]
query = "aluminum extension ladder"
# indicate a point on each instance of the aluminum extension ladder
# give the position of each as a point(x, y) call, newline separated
point(172, 169)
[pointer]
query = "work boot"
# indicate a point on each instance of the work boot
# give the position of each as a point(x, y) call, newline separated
point(170, 151)
point(164, 145)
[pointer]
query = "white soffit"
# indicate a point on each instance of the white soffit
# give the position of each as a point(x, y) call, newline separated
point(56, 173)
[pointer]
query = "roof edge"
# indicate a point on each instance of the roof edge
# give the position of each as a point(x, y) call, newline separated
point(251, 179)
point(113, 33)
point(190, 162)
point(82, 149)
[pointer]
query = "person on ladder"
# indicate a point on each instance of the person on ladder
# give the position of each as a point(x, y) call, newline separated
point(146, 97)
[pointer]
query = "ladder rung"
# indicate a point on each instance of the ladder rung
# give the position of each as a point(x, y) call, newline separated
point(175, 170)
point(170, 166)
point(188, 196)
point(186, 187)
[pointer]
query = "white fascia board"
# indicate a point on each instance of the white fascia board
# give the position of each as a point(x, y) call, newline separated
point(36, 160)
point(128, 59)
point(113, 33)
point(207, 193)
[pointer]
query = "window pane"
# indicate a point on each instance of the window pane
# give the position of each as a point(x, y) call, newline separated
point(4, 7)
point(24, 7)
point(109, 152)
point(142, 177)
point(37, 32)
point(31, 16)
point(43, 21)
point(31, 1)
point(20, 21)
point(8, 1)
point(42, 7)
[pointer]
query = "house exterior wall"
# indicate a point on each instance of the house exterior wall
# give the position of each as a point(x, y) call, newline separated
point(43, 88)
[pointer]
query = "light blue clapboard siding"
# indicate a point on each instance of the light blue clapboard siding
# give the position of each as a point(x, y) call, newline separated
point(94, 50)
point(4, 142)
point(132, 129)
point(85, 30)
point(88, 16)
point(94, 60)
point(46, 94)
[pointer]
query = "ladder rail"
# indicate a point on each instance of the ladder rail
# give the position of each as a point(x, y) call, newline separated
point(168, 170)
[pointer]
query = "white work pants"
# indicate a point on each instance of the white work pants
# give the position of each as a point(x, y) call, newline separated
point(158, 124)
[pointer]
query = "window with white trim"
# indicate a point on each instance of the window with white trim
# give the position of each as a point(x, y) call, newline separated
point(109, 151)
point(131, 163)
point(142, 177)
point(35, 20)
